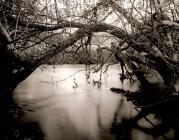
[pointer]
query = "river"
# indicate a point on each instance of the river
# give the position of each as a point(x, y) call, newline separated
point(67, 106)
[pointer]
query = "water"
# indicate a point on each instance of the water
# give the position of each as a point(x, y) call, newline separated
point(67, 106)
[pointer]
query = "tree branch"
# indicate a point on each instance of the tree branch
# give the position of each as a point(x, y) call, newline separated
point(80, 33)
point(5, 38)
point(43, 26)
point(127, 16)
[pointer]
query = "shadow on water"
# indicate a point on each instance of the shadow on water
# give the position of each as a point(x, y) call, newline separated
point(160, 112)
point(49, 107)
point(10, 127)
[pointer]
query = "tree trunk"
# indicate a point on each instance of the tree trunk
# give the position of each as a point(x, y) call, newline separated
point(12, 72)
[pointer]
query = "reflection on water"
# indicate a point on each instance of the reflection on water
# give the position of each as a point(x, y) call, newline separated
point(68, 106)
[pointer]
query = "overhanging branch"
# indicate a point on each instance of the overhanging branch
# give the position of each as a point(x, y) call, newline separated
point(80, 33)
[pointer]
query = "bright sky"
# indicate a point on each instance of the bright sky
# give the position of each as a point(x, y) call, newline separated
point(73, 9)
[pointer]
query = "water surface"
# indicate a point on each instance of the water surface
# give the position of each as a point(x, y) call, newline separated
point(66, 105)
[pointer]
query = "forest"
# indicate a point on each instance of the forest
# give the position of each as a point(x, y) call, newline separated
point(140, 35)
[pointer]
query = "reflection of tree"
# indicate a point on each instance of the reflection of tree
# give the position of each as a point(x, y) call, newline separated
point(122, 131)
point(147, 41)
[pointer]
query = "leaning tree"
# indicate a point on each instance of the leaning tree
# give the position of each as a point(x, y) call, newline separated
point(146, 32)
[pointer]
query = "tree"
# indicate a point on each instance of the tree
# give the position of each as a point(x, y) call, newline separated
point(147, 33)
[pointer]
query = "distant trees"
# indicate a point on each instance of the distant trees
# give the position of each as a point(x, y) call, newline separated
point(34, 31)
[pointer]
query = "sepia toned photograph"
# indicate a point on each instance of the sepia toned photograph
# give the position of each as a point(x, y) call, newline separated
point(89, 69)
